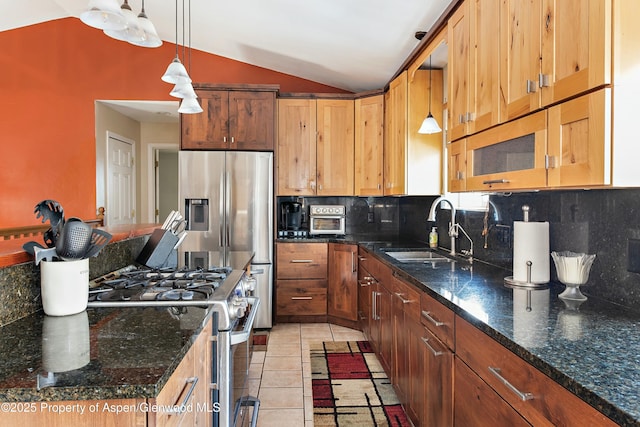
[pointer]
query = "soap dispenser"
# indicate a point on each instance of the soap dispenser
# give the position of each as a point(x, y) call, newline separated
point(433, 238)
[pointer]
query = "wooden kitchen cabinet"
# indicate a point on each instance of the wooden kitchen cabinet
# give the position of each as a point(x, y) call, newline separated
point(474, 68)
point(240, 119)
point(342, 301)
point(301, 282)
point(315, 147)
point(457, 165)
point(381, 325)
point(365, 281)
point(537, 398)
point(369, 143)
point(395, 135)
point(509, 156)
point(551, 51)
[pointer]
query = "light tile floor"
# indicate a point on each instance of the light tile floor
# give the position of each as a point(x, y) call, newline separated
point(281, 376)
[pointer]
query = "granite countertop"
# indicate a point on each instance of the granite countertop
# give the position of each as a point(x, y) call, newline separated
point(592, 349)
point(96, 354)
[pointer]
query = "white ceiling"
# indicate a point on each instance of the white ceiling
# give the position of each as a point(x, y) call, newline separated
point(356, 45)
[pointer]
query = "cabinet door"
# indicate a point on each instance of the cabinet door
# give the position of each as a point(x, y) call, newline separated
point(203, 371)
point(207, 130)
point(520, 57)
point(335, 147)
point(478, 405)
point(459, 60)
point(251, 120)
point(509, 156)
point(576, 47)
point(395, 139)
point(364, 300)
point(296, 156)
point(179, 390)
point(343, 281)
point(457, 159)
point(484, 101)
point(580, 141)
point(384, 311)
point(369, 140)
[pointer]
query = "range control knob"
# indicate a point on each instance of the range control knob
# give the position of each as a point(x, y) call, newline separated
point(249, 284)
point(237, 307)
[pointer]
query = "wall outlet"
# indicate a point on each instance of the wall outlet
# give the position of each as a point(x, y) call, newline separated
point(503, 234)
point(369, 217)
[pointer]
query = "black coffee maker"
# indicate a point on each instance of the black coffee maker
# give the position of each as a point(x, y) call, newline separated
point(290, 216)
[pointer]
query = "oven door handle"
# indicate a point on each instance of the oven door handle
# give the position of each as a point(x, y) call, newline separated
point(242, 336)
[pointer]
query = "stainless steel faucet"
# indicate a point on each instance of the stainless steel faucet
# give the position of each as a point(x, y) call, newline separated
point(454, 227)
point(453, 232)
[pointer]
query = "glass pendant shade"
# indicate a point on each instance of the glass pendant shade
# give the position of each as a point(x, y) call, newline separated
point(131, 32)
point(104, 15)
point(149, 34)
point(190, 106)
point(183, 90)
point(429, 125)
point(176, 73)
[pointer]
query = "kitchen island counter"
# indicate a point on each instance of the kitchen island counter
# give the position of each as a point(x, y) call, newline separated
point(98, 354)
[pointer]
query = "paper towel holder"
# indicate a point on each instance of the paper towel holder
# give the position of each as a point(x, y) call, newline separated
point(511, 282)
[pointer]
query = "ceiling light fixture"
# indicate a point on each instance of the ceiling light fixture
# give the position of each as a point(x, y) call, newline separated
point(131, 32)
point(176, 72)
point(429, 124)
point(150, 35)
point(104, 15)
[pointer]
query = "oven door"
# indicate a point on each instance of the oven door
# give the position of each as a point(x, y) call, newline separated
point(245, 406)
point(327, 224)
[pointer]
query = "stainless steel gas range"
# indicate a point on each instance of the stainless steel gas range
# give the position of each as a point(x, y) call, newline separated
point(228, 295)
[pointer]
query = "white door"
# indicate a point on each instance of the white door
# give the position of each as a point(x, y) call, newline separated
point(121, 182)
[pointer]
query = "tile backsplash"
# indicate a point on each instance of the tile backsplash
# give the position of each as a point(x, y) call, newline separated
point(601, 222)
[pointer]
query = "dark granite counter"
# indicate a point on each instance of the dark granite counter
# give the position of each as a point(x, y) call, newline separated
point(96, 354)
point(593, 349)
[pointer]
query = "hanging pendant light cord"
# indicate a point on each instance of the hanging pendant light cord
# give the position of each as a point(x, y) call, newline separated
point(176, 28)
point(430, 71)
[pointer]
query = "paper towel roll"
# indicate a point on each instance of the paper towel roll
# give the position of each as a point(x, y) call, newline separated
point(531, 243)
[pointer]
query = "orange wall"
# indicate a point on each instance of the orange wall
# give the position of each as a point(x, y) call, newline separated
point(51, 73)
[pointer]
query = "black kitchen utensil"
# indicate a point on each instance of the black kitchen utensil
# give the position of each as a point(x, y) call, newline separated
point(74, 240)
point(44, 253)
point(28, 247)
point(99, 239)
point(51, 211)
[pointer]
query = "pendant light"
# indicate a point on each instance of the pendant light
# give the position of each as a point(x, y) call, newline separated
point(150, 36)
point(131, 32)
point(104, 15)
point(429, 124)
point(189, 104)
point(176, 73)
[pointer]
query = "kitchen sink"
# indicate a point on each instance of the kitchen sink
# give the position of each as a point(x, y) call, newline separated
point(417, 256)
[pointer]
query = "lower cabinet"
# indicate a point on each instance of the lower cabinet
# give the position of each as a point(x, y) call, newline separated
point(342, 301)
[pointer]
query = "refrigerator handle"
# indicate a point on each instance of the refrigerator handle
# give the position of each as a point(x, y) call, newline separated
point(230, 203)
point(221, 213)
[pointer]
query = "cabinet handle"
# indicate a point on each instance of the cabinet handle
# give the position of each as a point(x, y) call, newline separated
point(364, 283)
point(233, 140)
point(374, 305)
point(531, 86)
point(543, 80)
point(468, 117)
point(379, 187)
point(427, 315)
point(459, 175)
point(430, 347)
point(301, 261)
point(178, 409)
point(301, 298)
point(461, 119)
point(404, 301)
point(361, 258)
point(522, 395)
point(224, 139)
point(495, 181)
point(353, 262)
point(550, 162)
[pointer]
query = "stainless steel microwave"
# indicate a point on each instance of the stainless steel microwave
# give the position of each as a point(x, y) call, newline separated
point(327, 219)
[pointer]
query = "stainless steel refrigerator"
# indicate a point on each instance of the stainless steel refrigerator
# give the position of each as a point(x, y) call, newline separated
point(227, 199)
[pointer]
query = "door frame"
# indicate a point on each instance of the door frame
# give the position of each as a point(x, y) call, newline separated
point(152, 193)
point(134, 192)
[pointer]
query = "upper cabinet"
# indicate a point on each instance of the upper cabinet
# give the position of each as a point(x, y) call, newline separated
point(239, 118)
point(552, 50)
point(315, 153)
point(369, 139)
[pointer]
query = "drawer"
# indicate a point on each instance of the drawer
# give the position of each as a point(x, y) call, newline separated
point(367, 262)
point(409, 296)
point(438, 319)
point(301, 297)
point(301, 260)
point(535, 396)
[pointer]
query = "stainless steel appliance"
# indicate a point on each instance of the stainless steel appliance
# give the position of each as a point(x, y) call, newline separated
point(227, 294)
point(227, 198)
point(291, 218)
point(327, 220)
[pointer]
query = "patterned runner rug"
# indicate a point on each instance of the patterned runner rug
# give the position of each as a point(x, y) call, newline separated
point(350, 388)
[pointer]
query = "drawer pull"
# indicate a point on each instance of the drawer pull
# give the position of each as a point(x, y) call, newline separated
point(361, 258)
point(178, 409)
point(495, 181)
point(301, 298)
point(430, 347)
point(364, 283)
point(301, 261)
point(404, 301)
point(522, 395)
point(427, 316)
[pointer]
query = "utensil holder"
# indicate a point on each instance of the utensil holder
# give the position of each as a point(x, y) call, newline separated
point(64, 286)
